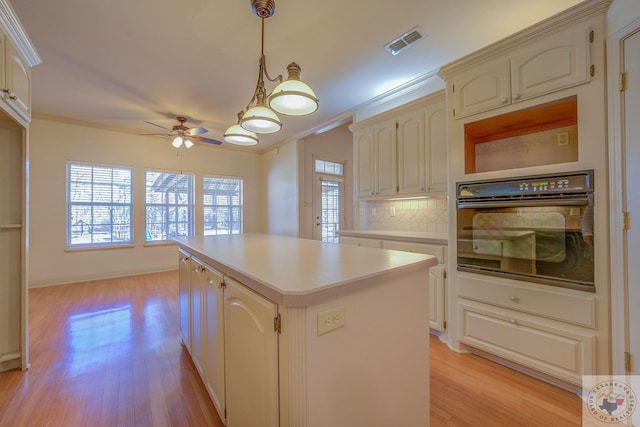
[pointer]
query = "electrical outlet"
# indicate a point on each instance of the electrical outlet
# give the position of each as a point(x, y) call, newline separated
point(374, 212)
point(393, 211)
point(563, 138)
point(330, 320)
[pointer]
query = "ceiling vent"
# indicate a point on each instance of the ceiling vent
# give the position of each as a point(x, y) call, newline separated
point(405, 41)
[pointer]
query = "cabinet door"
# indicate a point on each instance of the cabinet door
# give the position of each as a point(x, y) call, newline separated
point(197, 292)
point(482, 88)
point(437, 297)
point(17, 90)
point(411, 152)
point(553, 63)
point(214, 341)
point(436, 147)
point(251, 357)
point(361, 241)
point(184, 269)
point(385, 158)
point(363, 153)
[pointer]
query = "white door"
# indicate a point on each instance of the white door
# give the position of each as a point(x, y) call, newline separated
point(631, 156)
point(251, 358)
point(328, 207)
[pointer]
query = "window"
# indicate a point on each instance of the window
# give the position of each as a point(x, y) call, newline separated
point(98, 205)
point(169, 205)
point(222, 200)
point(332, 168)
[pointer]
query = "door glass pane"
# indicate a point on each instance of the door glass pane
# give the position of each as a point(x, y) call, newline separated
point(330, 211)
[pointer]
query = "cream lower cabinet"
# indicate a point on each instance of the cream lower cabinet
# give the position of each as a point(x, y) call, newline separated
point(550, 331)
point(251, 357)
point(437, 274)
point(184, 296)
point(437, 279)
point(214, 369)
point(229, 332)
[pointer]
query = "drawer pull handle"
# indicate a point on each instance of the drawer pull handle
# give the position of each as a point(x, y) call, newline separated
point(513, 321)
point(514, 298)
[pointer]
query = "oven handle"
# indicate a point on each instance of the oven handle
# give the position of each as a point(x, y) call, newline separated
point(523, 203)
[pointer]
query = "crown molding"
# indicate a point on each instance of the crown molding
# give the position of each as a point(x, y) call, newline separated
point(14, 29)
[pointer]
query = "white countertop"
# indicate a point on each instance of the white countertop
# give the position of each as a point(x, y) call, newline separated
point(299, 272)
point(405, 236)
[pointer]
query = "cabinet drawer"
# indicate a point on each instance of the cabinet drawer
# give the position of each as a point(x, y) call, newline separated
point(361, 241)
point(421, 248)
point(561, 352)
point(554, 304)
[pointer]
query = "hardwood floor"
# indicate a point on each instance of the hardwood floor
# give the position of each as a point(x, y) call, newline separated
point(106, 353)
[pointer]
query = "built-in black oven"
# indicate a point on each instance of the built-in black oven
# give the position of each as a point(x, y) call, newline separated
point(535, 228)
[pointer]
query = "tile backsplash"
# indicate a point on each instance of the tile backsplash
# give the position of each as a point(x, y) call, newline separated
point(427, 215)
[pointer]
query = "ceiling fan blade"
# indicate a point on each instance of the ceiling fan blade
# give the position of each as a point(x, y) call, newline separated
point(196, 131)
point(207, 140)
point(151, 123)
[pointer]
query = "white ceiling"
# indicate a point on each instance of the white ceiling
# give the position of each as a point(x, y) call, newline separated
point(117, 63)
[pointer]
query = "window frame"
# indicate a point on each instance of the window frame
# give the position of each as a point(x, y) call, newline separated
point(70, 204)
point(167, 220)
point(230, 206)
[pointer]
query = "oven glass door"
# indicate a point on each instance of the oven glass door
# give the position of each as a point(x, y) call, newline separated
point(550, 243)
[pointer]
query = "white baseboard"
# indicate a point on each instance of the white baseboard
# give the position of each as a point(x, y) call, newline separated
point(90, 277)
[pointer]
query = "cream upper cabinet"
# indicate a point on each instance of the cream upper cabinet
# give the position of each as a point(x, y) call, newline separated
point(411, 152)
point(554, 62)
point(375, 158)
point(436, 145)
point(17, 81)
point(482, 88)
point(402, 151)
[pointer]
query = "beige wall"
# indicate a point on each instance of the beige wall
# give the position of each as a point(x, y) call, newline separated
point(334, 145)
point(53, 144)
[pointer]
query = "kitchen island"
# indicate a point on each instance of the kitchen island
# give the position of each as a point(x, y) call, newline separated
point(295, 332)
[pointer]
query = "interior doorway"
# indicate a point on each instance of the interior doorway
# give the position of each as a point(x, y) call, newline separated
point(631, 199)
point(328, 200)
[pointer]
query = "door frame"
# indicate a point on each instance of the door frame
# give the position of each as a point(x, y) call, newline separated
point(317, 179)
point(619, 313)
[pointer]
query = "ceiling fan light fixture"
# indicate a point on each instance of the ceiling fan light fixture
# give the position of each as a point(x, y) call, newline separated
point(177, 142)
point(188, 143)
point(293, 97)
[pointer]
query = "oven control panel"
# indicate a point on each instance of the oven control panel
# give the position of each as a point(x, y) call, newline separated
point(579, 182)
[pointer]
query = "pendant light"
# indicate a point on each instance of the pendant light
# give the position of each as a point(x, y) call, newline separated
point(290, 97)
point(238, 135)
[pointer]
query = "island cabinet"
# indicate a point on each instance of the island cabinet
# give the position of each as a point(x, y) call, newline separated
point(402, 151)
point(296, 332)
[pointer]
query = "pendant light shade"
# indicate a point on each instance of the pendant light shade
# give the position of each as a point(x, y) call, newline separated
point(177, 141)
point(238, 135)
point(293, 97)
point(188, 143)
point(261, 119)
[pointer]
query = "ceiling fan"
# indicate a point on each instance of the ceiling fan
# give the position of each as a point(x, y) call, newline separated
point(184, 135)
